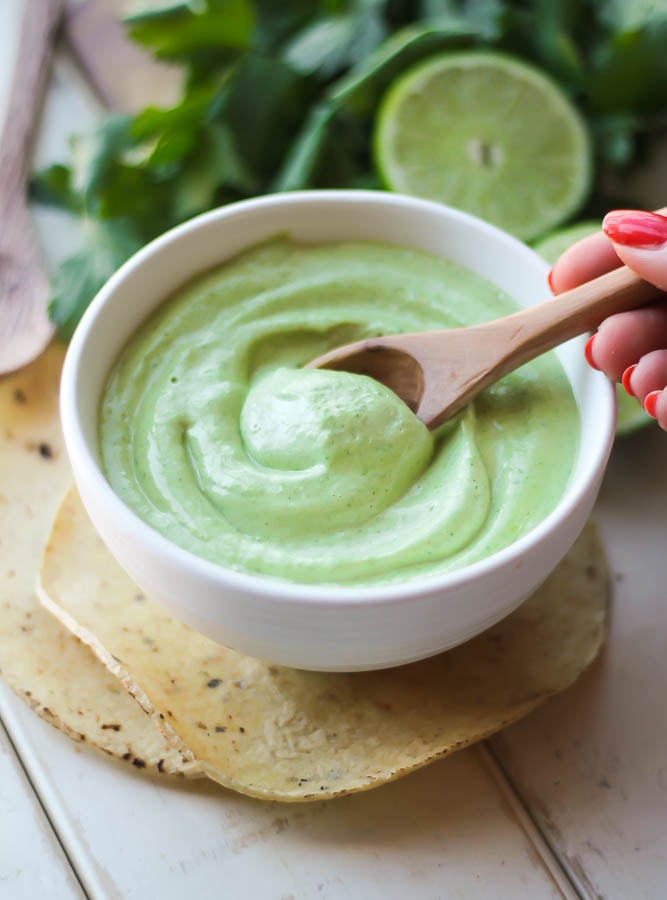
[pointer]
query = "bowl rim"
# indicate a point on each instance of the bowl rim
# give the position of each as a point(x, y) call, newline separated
point(272, 587)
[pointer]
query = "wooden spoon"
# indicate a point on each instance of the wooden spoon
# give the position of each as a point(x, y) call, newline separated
point(24, 285)
point(436, 373)
point(125, 77)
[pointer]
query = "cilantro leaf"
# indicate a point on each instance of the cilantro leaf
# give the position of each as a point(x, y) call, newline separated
point(615, 138)
point(265, 103)
point(333, 43)
point(277, 23)
point(95, 153)
point(106, 246)
point(178, 31)
point(360, 90)
point(215, 174)
point(302, 162)
point(629, 68)
point(53, 187)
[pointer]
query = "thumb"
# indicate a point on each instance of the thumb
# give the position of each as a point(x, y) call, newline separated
point(640, 240)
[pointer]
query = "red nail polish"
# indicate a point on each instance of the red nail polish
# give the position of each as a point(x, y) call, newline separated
point(635, 228)
point(588, 353)
point(650, 402)
point(625, 379)
point(550, 281)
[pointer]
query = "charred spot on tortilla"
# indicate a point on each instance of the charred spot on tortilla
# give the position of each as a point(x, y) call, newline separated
point(317, 735)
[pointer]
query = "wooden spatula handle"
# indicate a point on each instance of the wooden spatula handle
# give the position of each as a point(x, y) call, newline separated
point(24, 325)
point(40, 21)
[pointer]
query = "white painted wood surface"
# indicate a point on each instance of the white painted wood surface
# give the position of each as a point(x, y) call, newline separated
point(444, 832)
point(591, 766)
point(32, 862)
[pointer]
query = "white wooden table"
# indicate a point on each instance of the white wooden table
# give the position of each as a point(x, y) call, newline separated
point(571, 802)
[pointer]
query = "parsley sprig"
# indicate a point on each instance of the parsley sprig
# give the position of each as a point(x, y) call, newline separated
point(282, 95)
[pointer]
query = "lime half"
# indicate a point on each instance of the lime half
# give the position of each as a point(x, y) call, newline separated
point(489, 135)
point(630, 414)
point(556, 243)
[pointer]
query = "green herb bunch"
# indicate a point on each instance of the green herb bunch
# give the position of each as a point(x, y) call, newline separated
point(281, 95)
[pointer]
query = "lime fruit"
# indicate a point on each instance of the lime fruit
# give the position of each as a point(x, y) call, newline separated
point(557, 242)
point(630, 414)
point(488, 134)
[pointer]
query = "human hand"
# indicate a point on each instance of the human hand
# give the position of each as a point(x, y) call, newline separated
point(630, 347)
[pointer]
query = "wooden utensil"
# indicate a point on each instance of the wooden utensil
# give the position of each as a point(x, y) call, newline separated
point(24, 286)
point(123, 75)
point(436, 373)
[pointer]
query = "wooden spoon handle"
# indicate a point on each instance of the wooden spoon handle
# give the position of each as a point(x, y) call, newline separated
point(501, 346)
point(40, 21)
point(548, 324)
point(540, 328)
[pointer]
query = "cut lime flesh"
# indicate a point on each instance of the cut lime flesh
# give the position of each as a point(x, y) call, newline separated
point(487, 134)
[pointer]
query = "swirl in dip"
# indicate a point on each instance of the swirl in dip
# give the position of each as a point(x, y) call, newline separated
point(213, 433)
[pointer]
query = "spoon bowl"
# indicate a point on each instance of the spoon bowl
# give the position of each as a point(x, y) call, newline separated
point(437, 373)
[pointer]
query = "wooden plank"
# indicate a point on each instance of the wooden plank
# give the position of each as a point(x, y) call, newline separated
point(592, 764)
point(446, 831)
point(26, 838)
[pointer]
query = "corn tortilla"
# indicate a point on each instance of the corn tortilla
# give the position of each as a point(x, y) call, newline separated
point(283, 734)
point(42, 661)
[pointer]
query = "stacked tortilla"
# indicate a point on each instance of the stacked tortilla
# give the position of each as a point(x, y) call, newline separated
point(108, 666)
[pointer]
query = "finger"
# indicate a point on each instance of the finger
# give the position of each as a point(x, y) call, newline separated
point(649, 374)
point(623, 339)
point(593, 256)
point(640, 241)
point(585, 260)
point(656, 406)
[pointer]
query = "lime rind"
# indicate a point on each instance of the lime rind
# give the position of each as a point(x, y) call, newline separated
point(630, 415)
point(554, 244)
point(440, 124)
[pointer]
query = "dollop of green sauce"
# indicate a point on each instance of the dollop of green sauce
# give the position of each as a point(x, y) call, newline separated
point(214, 434)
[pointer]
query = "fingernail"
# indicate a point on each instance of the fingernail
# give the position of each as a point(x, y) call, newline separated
point(635, 228)
point(550, 281)
point(588, 353)
point(650, 402)
point(625, 379)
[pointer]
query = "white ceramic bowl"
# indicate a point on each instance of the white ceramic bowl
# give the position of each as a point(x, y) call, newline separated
point(323, 627)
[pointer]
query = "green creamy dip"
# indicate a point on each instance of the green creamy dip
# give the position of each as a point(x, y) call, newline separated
point(213, 433)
